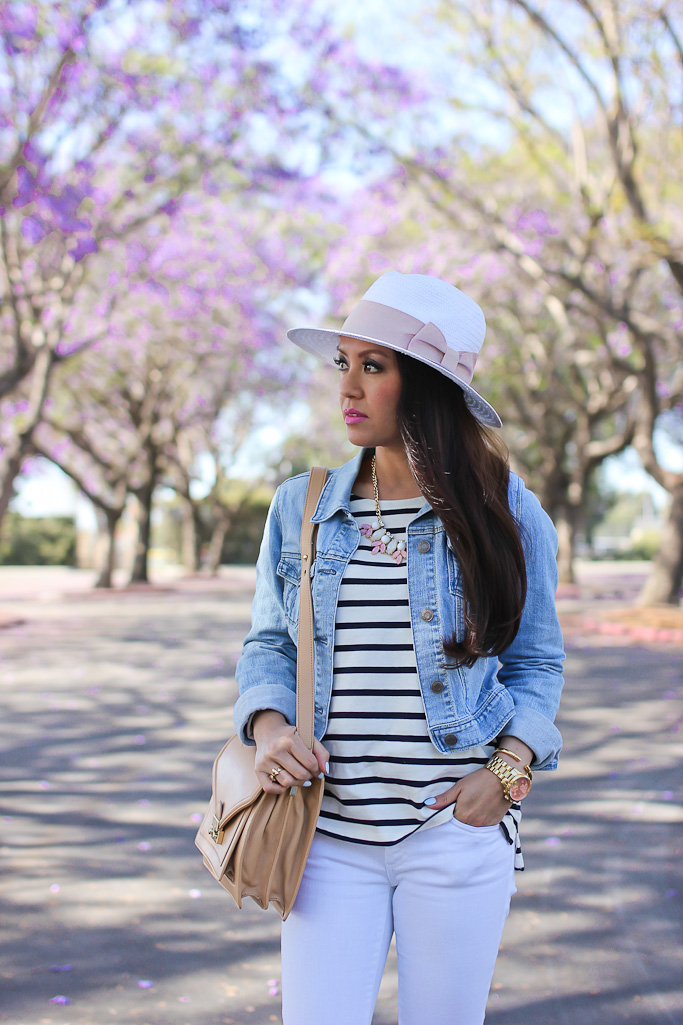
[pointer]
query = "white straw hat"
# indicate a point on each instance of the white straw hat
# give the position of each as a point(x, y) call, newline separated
point(421, 316)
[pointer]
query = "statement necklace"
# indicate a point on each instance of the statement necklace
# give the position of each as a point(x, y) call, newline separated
point(382, 539)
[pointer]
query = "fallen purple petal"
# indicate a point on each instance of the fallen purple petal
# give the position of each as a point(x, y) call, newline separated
point(60, 1000)
point(195, 894)
point(61, 968)
point(145, 984)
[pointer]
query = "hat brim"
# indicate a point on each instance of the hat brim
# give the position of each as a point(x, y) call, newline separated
point(323, 343)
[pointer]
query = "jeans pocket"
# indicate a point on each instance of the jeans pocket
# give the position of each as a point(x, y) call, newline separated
point(477, 830)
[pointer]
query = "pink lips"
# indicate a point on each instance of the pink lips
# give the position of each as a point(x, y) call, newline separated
point(352, 416)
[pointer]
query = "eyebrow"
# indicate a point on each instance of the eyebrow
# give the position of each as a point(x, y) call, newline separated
point(364, 352)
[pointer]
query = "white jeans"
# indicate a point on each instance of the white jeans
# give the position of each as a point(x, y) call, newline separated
point(444, 890)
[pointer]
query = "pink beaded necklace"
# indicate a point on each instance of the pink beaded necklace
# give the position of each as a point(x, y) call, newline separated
point(383, 541)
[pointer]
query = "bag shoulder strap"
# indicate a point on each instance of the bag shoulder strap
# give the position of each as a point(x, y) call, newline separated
point(305, 661)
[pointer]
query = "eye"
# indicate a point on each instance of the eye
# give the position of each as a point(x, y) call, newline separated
point(341, 362)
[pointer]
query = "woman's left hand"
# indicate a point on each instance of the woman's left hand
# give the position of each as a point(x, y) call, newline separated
point(479, 799)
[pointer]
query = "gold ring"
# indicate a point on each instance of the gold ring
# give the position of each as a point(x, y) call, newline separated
point(274, 773)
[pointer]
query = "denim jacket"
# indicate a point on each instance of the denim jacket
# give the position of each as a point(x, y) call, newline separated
point(516, 692)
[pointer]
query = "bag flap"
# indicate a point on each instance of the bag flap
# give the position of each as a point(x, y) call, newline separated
point(235, 783)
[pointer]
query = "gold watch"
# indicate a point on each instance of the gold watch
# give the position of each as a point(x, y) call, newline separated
point(516, 784)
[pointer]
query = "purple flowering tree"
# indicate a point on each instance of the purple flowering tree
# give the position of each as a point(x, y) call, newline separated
point(570, 174)
point(110, 113)
point(193, 348)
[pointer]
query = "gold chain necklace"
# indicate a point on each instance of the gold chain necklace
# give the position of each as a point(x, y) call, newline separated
point(383, 541)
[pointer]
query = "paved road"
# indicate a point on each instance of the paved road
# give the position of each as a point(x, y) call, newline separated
point(113, 707)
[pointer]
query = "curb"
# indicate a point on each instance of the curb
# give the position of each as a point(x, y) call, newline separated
point(636, 633)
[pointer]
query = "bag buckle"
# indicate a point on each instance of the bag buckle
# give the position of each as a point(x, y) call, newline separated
point(216, 833)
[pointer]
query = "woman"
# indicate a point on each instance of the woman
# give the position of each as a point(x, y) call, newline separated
point(438, 669)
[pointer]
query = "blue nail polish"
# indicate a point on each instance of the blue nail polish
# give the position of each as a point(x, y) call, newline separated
point(321, 775)
point(327, 766)
point(430, 800)
point(307, 783)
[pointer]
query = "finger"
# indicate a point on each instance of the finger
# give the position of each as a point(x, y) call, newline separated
point(279, 787)
point(268, 785)
point(322, 755)
point(290, 753)
point(292, 769)
point(303, 772)
point(443, 800)
point(305, 756)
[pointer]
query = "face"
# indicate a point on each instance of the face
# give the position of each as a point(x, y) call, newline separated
point(370, 384)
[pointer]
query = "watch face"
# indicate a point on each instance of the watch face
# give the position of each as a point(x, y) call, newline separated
point(520, 788)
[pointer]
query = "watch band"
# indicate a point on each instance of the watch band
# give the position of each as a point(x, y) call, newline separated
point(516, 784)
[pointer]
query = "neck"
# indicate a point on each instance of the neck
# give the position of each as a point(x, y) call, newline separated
point(394, 477)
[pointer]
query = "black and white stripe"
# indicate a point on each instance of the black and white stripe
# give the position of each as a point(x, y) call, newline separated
point(383, 765)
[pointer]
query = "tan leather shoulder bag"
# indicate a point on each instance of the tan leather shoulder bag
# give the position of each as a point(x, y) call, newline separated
point(256, 844)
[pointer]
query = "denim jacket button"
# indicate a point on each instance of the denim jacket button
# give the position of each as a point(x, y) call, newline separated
point(427, 615)
point(437, 687)
point(450, 739)
point(423, 546)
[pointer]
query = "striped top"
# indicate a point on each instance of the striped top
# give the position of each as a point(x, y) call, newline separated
point(383, 765)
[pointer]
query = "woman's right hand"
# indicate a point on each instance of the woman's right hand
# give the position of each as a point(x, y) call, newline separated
point(279, 744)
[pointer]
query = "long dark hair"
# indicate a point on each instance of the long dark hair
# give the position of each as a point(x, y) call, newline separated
point(462, 469)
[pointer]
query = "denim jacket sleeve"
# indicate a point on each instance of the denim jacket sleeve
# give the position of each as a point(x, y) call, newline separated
point(531, 667)
point(266, 670)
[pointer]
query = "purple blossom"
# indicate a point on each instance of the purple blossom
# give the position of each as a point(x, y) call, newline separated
point(170, 207)
point(84, 247)
point(63, 206)
point(536, 220)
point(33, 230)
point(18, 23)
point(26, 188)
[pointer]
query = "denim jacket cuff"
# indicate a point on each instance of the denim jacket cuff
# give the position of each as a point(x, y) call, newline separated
point(258, 699)
point(539, 733)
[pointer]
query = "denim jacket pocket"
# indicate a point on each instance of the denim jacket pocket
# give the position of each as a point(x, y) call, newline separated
point(289, 569)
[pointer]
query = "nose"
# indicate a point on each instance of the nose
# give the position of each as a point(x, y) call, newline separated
point(351, 383)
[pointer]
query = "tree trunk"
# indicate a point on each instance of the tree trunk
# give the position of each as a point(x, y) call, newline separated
point(663, 586)
point(190, 536)
point(42, 368)
point(11, 473)
point(111, 518)
point(144, 495)
point(565, 524)
point(213, 557)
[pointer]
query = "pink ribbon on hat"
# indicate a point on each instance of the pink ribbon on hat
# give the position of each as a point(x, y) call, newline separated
point(401, 331)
